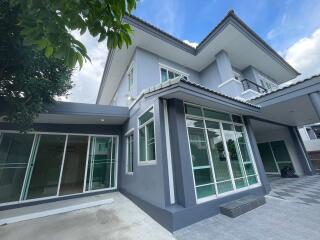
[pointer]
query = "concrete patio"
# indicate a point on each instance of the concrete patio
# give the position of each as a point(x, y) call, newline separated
point(292, 212)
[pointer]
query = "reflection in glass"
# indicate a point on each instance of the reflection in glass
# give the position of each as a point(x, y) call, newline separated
point(45, 166)
point(74, 165)
point(15, 150)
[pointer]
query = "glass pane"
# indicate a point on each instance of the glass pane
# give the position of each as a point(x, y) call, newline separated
point(198, 145)
point(151, 150)
point(220, 164)
point(193, 110)
point(146, 116)
point(14, 156)
point(224, 187)
point(267, 158)
point(240, 183)
point(252, 180)
point(216, 115)
point(164, 76)
point(282, 165)
point(171, 75)
point(102, 163)
point(249, 168)
point(233, 151)
point(130, 154)
point(74, 165)
point(280, 151)
point(212, 124)
point(205, 191)
point(142, 144)
point(203, 176)
point(194, 122)
point(47, 164)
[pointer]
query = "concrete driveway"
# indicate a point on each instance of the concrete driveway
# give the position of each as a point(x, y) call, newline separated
point(120, 220)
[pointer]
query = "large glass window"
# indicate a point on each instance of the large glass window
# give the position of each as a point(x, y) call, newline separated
point(74, 165)
point(102, 163)
point(219, 151)
point(45, 166)
point(147, 146)
point(15, 150)
point(39, 165)
point(129, 160)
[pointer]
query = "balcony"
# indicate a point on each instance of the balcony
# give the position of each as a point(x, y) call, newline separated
point(247, 84)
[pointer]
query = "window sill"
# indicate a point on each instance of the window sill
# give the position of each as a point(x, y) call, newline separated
point(146, 163)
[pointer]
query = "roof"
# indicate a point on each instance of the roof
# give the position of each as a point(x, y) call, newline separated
point(284, 87)
point(281, 70)
point(178, 81)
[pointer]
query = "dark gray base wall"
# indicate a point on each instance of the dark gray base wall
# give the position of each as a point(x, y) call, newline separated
point(176, 217)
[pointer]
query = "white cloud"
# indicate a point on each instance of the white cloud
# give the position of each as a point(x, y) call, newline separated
point(304, 55)
point(192, 44)
point(87, 80)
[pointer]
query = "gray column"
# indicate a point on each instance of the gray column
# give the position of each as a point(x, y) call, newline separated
point(224, 66)
point(253, 142)
point(181, 162)
point(305, 162)
point(315, 100)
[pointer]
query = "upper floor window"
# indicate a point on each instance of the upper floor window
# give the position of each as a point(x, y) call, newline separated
point(147, 146)
point(130, 78)
point(169, 73)
point(266, 83)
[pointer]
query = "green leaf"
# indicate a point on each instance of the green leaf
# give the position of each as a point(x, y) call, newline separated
point(80, 59)
point(49, 51)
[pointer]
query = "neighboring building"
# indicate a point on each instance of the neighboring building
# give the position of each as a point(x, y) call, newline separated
point(177, 129)
point(311, 137)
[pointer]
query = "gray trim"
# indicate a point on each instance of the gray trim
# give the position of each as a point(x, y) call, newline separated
point(253, 142)
point(315, 100)
point(267, 121)
point(305, 161)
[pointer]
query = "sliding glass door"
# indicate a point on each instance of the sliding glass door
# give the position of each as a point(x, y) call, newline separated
point(40, 165)
point(15, 150)
point(102, 163)
point(220, 152)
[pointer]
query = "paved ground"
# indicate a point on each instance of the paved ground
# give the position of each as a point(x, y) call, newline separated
point(120, 220)
point(286, 217)
point(290, 217)
point(304, 190)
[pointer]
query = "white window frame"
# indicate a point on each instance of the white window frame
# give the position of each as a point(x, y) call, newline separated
point(236, 75)
point(84, 192)
point(171, 69)
point(130, 73)
point(153, 161)
point(127, 135)
point(217, 195)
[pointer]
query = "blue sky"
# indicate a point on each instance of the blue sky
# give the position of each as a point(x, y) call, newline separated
point(279, 22)
point(291, 27)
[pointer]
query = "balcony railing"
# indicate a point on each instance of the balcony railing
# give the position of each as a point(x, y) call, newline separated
point(247, 84)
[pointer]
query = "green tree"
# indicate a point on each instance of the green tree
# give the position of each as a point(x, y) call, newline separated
point(47, 25)
point(29, 81)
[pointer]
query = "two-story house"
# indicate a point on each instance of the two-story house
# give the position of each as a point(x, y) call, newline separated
point(179, 130)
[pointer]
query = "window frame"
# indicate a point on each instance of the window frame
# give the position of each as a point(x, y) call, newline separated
point(144, 125)
point(171, 69)
point(37, 135)
point(127, 136)
point(235, 190)
point(130, 73)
